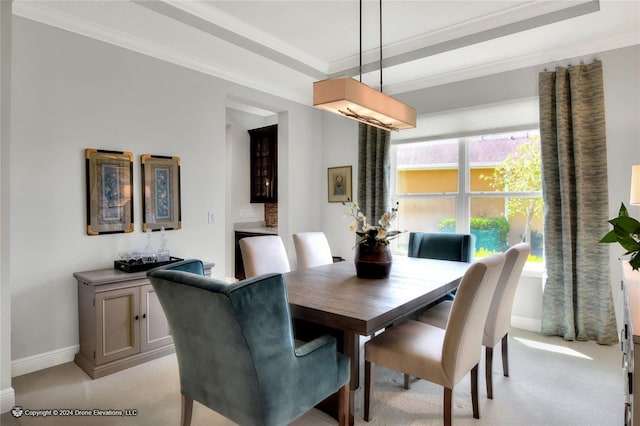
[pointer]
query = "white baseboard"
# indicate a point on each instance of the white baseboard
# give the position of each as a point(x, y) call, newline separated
point(42, 361)
point(7, 400)
point(525, 323)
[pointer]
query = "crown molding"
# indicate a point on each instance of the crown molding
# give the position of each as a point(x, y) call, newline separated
point(37, 11)
point(560, 53)
point(41, 12)
point(232, 24)
point(226, 27)
point(503, 23)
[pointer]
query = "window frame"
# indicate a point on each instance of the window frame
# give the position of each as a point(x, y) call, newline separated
point(463, 197)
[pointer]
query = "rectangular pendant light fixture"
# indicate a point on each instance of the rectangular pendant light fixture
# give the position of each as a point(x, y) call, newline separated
point(356, 100)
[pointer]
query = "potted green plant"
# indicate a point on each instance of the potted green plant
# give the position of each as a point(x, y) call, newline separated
point(626, 232)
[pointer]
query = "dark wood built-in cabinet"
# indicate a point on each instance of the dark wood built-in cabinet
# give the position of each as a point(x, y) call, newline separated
point(121, 321)
point(264, 164)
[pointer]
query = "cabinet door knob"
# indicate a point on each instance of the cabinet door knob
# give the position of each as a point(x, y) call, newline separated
point(137, 318)
point(144, 315)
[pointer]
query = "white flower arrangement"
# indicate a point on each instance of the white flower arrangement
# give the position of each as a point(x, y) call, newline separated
point(372, 234)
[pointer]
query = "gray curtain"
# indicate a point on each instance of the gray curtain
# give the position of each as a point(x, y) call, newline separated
point(577, 303)
point(373, 172)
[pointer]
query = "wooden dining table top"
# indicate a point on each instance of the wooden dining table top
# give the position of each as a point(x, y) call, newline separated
point(332, 295)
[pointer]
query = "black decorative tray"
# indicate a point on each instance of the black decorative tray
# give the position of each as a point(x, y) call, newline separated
point(138, 266)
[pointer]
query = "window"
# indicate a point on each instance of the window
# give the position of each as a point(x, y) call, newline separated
point(488, 185)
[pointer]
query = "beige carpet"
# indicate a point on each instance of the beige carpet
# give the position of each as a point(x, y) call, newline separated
point(553, 382)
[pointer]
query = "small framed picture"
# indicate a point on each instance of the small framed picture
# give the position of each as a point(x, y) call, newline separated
point(109, 182)
point(161, 198)
point(339, 179)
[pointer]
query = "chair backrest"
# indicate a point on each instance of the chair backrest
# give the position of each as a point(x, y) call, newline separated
point(463, 336)
point(234, 342)
point(264, 254)
point(442, 245)
point(499, 317)
point(312, 249)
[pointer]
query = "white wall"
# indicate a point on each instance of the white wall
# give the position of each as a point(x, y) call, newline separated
point(340, 149)
point(77, 93)
point(7, 395)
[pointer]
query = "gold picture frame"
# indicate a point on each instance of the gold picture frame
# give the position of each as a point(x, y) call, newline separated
point(161, 192)
point(339, 184)
point(109, 182)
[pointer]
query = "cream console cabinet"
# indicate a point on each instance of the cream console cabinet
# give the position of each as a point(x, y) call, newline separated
point(630, 338)
point(121, 321)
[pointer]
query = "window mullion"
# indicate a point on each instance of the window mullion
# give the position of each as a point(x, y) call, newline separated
point(463, 203)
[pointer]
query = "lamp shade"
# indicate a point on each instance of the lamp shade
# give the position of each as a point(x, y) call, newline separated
point(634, 197)
point(358, 101)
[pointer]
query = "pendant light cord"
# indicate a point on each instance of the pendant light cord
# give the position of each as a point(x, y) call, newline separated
point(381, 45)
point(360, 68)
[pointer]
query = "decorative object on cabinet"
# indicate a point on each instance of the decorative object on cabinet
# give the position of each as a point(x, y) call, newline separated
point(134, 265)
point(264, 164)
point(109, 182)
point(339, 184)
point(270, 215)
point(121, 322)
point(630, 344)
point(161, 199)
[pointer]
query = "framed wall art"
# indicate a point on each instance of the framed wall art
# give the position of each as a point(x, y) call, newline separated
point(339, 179)
point(109, 182)
point(161, 197)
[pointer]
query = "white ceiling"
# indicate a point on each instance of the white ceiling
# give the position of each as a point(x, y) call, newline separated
point(282, 47)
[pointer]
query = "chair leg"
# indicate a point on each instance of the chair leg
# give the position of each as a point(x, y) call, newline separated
point(367, 390)
point(489, 371)
point(448, 396)
point(407, 381)
point(505, 355)
point(343, 405)
point(474, 392)
point(187, 410)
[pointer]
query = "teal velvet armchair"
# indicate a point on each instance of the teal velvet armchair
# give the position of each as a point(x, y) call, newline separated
point(236, 352)
point(442, 245)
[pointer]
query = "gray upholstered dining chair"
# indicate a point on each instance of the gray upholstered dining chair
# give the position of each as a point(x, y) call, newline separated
point(312, 249)
point(264, 254)
point(235, 348)
point(441, 356)
point(499, 317)
point(442, 245)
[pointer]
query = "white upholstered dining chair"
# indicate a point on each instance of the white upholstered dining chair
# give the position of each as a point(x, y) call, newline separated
point(312, 249)
point(264, 254)
point(499, 317)
point(442, 356)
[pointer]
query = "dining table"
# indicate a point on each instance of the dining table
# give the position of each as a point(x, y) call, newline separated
point(333, 299)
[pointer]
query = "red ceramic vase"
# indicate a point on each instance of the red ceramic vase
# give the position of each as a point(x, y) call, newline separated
point(373, 261)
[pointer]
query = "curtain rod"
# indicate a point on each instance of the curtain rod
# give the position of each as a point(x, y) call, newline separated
point(569, 65)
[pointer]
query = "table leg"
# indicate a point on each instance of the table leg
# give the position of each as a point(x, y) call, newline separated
point(351, 348)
